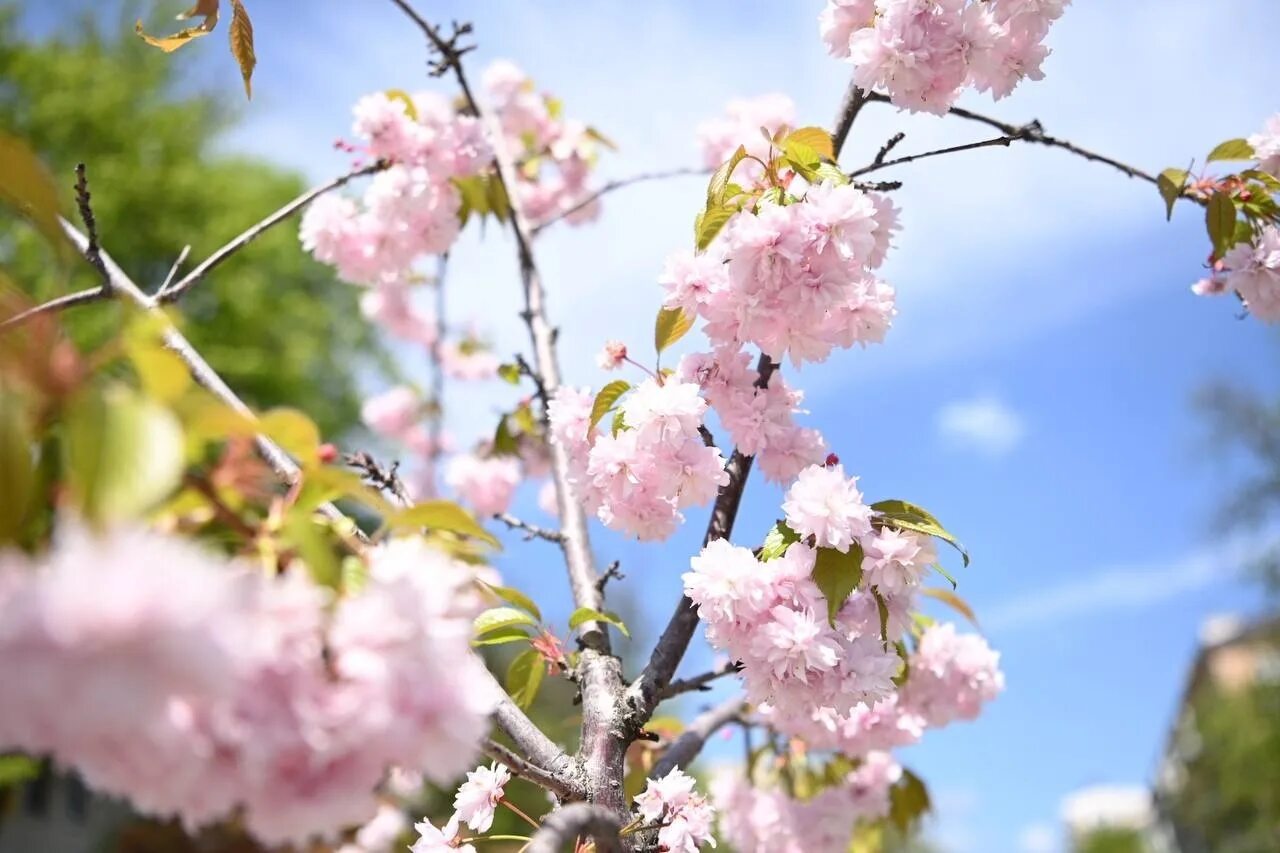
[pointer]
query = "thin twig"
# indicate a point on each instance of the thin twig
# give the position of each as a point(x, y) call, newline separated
point(526, 769)
point(618, 184)
point(877, 186)
point(690, 743)
point(539, 387)
point(612, 572)
point(70, 300)
point(700, 682)
point(191, 279)
point(173, 270)
point(532, 531)
point(850, 106)
point(1019, 133)
point(386, 479)
point(1036, 134)
point(84, 203)
point(888, 146)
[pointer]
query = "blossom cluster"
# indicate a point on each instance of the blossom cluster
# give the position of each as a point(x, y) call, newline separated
point(686, 817)
point(760, 418)
point(639, 477)
point(768, 820)
point(539, 137)
point(196, 688)
point(474, 805)
point(924, 52)
point(795, 279)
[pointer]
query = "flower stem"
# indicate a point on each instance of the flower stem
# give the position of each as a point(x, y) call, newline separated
point(516, 809)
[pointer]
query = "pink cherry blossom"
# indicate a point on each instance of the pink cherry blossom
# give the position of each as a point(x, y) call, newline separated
point(825, 504)
point(486, 483)
point(478, 797)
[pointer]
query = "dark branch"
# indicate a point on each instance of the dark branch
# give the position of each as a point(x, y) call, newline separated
point(93, 248)
point(878, 164)
point(612, 572)
point(700, 682)
point(191, 279)
point(888, 146)
point(386, 479)
point(854, 100)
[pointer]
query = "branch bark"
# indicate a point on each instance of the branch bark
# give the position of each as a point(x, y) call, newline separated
point(881, 163)
point(564, 826)
point(687, 747)
point(558, 782)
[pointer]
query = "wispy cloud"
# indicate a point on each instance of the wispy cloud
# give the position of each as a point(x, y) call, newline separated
point(1132, 586)
point(985, 423)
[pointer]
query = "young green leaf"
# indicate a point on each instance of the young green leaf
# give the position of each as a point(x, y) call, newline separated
point(1232, 149)
point(908, 801)
point(28, 188)
point(908, 516)
point(816, 139)
point(524, 677)
point(515, 597)
point(293, 431)
point(1220, 222)
point(837, 576)
point(500, 617)
point(502, 636)
point(510, 373)
point(441, 515)
point(937, 567)
point(882, 608)
point(17, 465)
point(720, 178)
point(606, 400)
point(710, 223)
point(1170, 183)
point(619, 423)
point(586, 614)
point(776, 542)
point(672, 325)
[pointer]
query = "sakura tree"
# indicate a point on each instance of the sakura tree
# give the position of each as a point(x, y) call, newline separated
point(220, 616)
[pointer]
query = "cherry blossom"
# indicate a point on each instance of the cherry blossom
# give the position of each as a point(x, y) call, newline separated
point(478, 797)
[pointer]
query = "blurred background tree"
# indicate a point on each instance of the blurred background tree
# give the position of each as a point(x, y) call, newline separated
point(1110, 840)
point(279, 327)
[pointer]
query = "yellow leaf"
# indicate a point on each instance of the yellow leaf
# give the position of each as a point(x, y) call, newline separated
point(953, 601)
point(242, 44)
point(27, 187)
point(816, 138)
point(410, 109)
point(208, 8)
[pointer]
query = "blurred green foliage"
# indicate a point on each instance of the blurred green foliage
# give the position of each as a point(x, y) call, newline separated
point(279, 327)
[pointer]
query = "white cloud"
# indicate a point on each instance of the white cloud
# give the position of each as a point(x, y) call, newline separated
point(1133, 586)
point(1039, 838)
point(985, 423)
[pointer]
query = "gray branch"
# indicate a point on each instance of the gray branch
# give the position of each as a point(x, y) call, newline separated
point(563, 827)
point(558, 783)
point(695, 737)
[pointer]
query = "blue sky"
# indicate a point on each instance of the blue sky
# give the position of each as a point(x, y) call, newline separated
point(1035, 391)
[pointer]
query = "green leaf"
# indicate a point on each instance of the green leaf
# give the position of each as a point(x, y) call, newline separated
point(833, 173)
point(510, 373)
point(499, 204)
point(586, 614)
point(953, 601)
point(323, 483)
point(1170, 183)
point(937, 567)
point(1232, 149)
point(500, 617)
point(1220, 222)
point(502, 636)
point(720, 178)
point(308, 535)
point(293, 431)
point(1268, 180)
point(16, 769)
point(619, 423)
point(515, 597)
point(837, 576)
point(123, 453)
point(28, 188)
point(908, 801)
point(163, 375)
point(814, 138)
point(672, 325)
point(504, 442)
point(592, 133)
point(606, 400)
point(908, 516)
point(441, 515)
point(777, 541)
point(17, 465)
point(710, 223)
point(802, 158)
point(406, 101)
point(524, 677)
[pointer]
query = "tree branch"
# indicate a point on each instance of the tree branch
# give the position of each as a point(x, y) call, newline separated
point(70, 300)
point(93, 248)
point(603, 745)
point(172, 292)
point(880, 163)
point(557, 783)
point(532, 530)
point(695, 737)
point(618, 184)
point(699, 682)
point(1035, 133)
point(564, 826)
